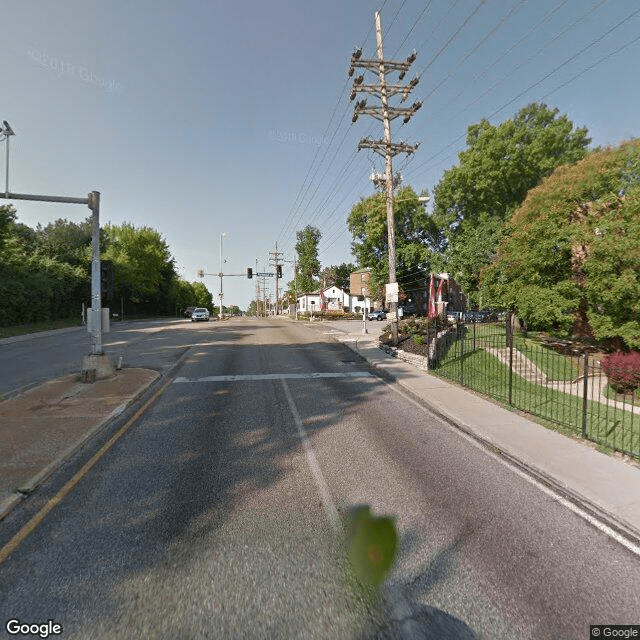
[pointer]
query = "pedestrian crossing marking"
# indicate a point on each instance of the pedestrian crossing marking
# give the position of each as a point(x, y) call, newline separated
point(275, 376)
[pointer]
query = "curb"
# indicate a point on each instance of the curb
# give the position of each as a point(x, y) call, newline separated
point(8, 504)
point(29, 486)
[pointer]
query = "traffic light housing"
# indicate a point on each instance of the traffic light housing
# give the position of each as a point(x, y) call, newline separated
point(107, 282)
point(249, 273)
point(279, 271)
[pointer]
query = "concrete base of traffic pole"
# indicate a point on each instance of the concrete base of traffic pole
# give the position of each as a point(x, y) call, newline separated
point(97, 367)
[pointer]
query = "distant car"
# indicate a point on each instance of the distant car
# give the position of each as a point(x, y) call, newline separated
point(188, 311)
point(200, 314)
point(377, 315)
point(475, 316)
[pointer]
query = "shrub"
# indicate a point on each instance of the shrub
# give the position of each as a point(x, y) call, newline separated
point(418, 339)
point(623, 370)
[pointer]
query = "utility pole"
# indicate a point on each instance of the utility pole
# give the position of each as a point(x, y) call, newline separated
point(264, 295)
point(295, 286)
point(385, 147)
point(257, 291)
point(276, 262)
point(220, 273)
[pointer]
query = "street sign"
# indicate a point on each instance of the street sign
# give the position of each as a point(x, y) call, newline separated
point(266, 275)
point(391, 291)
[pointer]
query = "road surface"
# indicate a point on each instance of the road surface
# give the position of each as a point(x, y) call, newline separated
point(218, 514)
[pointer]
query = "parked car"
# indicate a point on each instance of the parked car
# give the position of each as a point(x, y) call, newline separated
point(409, 308)
point(188, 311)
point(377, 315)
point(200, 314)
point(475, 316)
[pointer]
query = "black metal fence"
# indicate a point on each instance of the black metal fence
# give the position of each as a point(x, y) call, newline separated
point(559, 382)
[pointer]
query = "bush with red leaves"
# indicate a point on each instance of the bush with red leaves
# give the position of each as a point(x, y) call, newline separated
point(623, 370)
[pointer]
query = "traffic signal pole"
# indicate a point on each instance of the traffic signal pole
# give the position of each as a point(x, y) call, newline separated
point(93, 202)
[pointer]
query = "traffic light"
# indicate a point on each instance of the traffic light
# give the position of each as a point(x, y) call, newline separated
point(107, 284)
point(279, 271)
point(249, 273)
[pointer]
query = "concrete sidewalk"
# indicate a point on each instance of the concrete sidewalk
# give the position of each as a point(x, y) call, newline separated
point(604, 486)
point(42, 427)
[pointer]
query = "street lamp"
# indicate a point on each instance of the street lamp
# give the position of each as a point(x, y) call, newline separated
point(220, 274)
point(6, 131)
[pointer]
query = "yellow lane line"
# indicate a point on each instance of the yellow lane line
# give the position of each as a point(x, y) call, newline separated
point(17, 540)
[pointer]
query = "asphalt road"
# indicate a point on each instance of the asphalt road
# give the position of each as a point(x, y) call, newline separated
point(35, 358)
point(217, 515)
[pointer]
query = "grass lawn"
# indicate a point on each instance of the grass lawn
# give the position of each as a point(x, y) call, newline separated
point(628, 398)
point(483, 372)
point(554, 365)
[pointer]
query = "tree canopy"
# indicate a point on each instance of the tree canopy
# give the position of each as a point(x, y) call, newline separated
point(501, 164)
point(308, 263)
point(338, 275)
point(416, 237)
point(45, 272)
point(570, 259)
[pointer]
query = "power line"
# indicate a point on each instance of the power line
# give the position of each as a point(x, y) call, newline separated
point(513, 9)
point(535, 84)
point(448, 42)
point(484, 72)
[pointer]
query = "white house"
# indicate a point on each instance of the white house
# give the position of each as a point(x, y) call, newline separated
point(330, 299)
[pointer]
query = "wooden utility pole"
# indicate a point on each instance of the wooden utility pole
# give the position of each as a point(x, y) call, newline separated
point(385, 147)
point(276, 262)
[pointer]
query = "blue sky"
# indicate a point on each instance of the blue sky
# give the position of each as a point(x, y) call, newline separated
point(205, 117)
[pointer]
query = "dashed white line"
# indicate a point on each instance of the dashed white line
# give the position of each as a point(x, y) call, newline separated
point(323, 489)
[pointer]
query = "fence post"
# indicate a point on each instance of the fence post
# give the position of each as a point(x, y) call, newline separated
point(584, 394)
point(462, 356)
point(510, 342)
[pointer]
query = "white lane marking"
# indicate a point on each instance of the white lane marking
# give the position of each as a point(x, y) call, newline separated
point(323, 489)
point(277, 376)
point(634, 548)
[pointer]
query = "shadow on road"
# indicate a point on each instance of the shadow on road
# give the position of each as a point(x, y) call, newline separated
point(157, 501)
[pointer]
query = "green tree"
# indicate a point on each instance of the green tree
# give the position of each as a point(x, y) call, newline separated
point(337, 275)
point(35, 287)
point(569, 259)
point(7, 219)
point(67, 241)
point(182, 294)
point(308, 263)
point(203, 297)
point(501, 164)
point(416, 238)
point(144, 267)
